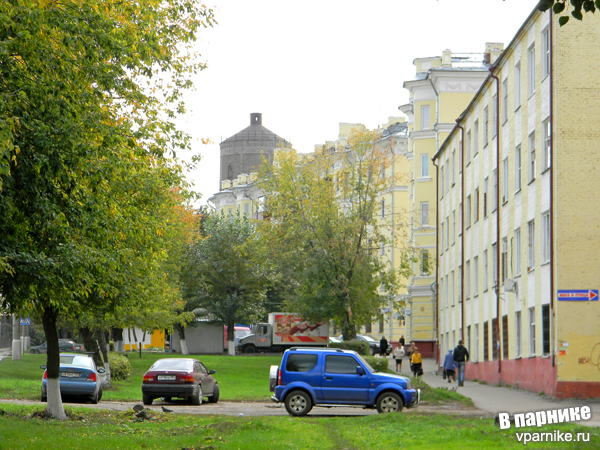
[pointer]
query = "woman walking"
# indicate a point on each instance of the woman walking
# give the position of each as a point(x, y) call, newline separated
point(398, 355)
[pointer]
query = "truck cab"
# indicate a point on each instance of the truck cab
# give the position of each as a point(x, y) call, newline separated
point(260, 338)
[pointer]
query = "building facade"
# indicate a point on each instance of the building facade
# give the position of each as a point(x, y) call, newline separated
point(518, 244)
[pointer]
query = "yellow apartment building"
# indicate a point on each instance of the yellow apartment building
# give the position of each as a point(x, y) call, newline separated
point(517, 228)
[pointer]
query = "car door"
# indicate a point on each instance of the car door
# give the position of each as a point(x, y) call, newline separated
point(340, 381)
point(206, 380)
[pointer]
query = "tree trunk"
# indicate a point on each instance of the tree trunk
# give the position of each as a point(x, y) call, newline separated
point(349, 327)
point(91, 345)
point(55, 407)
point(134, 339)
point(181, 332)
point(16, 342)
point(117, 335)
point(231, 339)
point(102, 340)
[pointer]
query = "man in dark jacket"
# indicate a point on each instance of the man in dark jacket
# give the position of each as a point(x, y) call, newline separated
point(461, 356)
point(383, 345)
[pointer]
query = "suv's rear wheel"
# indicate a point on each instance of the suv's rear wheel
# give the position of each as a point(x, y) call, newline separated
point(389, 402)
point(298, 403)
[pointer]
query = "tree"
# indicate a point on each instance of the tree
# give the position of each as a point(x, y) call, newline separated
point(324, 233)
point(578, 8)
point(88, 95)
point(226, 275)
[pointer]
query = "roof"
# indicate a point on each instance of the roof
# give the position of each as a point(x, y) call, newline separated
point(255, 133)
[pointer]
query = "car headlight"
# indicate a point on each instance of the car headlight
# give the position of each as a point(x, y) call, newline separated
point(409, 384)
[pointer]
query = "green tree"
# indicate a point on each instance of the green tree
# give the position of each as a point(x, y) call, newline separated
point(88, 95)
point(576, 8)
point(225, 274)
point(324, 234)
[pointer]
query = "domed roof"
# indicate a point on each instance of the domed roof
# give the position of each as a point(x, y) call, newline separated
point(255, 132)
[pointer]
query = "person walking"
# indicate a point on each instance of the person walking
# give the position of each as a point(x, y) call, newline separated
point(416, 363)
point(383, 345)
point(461, 356)
point(401, 341)
point(398, 355)
point(449, 366)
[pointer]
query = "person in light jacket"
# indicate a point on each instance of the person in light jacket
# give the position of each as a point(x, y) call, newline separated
point(398, 355)
point(449, 366)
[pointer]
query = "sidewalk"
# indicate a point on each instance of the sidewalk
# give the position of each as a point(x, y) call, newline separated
point(500, 399)
point(5, 353)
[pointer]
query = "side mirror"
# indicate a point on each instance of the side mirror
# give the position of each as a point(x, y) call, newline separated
point(360, 370)
point(101, 370)
point(43, 367)
point(211, 371)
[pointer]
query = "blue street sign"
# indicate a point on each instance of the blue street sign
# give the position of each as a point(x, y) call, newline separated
point(579, 295)
point(25, 321)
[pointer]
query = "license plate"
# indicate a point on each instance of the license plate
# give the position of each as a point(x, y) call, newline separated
point(166, 377)
point(70, 374)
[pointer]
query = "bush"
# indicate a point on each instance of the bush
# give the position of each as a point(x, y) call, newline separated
point(360, 347)
point(120, 368)
point(379, 364)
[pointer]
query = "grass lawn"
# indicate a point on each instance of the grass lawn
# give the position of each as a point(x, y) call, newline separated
point(90, 429)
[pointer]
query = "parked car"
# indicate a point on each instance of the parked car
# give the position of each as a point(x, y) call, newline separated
point(179, 377)
point(374, 348)
point(79, 377)
point(64, 345)
point(331, 377)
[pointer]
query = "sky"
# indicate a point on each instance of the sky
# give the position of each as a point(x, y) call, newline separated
point(309, 65)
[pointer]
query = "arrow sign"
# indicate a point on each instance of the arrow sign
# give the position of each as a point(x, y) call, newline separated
point(580, 295)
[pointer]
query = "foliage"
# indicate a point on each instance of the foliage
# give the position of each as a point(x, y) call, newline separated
point(579, 7)
point(120, 368)
point(360, 347)
point(324, 231)
point(225, 274)
point(379, 364)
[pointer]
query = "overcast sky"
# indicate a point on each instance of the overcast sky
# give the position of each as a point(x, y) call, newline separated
point(309, 65)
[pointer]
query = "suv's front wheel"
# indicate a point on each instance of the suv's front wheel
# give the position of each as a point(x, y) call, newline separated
point(389, 402)
point(298, 403)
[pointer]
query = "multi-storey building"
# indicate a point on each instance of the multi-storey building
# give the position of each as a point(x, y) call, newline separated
point(518, 235)
point(442, 88)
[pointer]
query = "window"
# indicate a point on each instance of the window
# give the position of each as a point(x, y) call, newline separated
point(468, 212)
point(382, 208)
point(476, 206)
point(425, 117)
point(495, 115)
point(381, 249)
point(545, 238)
point(424, 214)
point(518, 333)
point(460, 278)
point(247, 209)
point(495, 265)
point(340, 364)
point(468, 149)
point(546, 329)
point(476, 338)
point(447, 233)
point(517, 85)
point(447, 287)
point(545, 53)
point(476, 276)
point(531, 71)
point(302, 363)
point(447, 175)
point(475, 137)
point(424, 262)
point(517, 269)
point(443, 300)
point(424, 165)
point(442, 182)
point(468, 279)
point(504, 101)
point(485, 270)
point(380, 327)
point(531, 242)
point(532, 331)
point(453, 227)
point(495, 339)
point(486, 341)
point(518, 169)
point(485, 197)
point(504, 260)
point(469, 339)
point(485, 126)
point(505, 337)
point(532, 157)
point(442, 238)
point(452, 286)
point(494, 190)
point(368, 328)
point(453, 167)
point(505, 180)
point(546, 143)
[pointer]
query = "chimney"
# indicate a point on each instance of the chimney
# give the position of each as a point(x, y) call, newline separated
point(447, 58)
point(255, 119)
point(492, 51)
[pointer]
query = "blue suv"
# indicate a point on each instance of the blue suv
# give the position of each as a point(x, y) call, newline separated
point(332, 377)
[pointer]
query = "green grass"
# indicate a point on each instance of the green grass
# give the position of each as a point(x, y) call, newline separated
point(88, 429)
point(240, 377)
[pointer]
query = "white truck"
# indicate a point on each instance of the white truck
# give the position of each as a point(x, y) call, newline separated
point(284, 330)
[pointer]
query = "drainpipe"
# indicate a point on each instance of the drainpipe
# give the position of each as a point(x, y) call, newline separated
point(437, 147)
point(498, 247)
point(437, 259)
point(392, 230)
point(462, 234)
point(552, 312)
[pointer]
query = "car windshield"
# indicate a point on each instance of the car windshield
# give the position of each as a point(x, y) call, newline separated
point(368, 338)
point(77, 361)
point(172, 364)
point(366, 364)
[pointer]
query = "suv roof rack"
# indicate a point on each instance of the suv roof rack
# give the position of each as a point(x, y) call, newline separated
point(317, 348)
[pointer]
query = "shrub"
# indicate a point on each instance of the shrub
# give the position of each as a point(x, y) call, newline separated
point(379, 364)
point(360, 347)
point(120, 368)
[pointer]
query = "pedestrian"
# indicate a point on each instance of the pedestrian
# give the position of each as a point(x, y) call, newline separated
point(409, 351)
point(449, 366)
point(461, 356)
point(416, 362)
point(398, 354)
point(383, 345)
point(401, 341)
